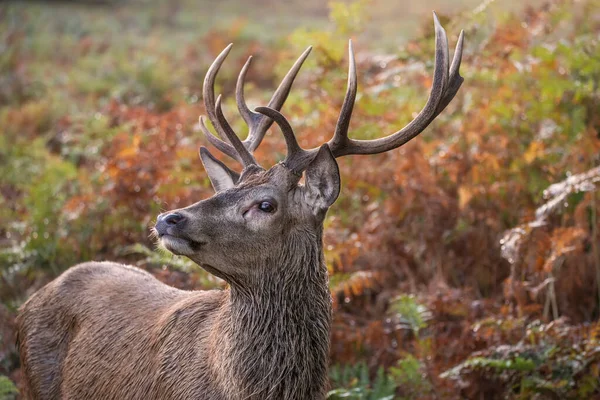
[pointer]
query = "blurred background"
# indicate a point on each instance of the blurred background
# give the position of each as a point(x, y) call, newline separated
point(464, 265)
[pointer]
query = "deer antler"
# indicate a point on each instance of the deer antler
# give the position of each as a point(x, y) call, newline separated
point(446, 82)
point(258, 124)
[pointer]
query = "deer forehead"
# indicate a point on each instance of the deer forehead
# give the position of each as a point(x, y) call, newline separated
point(278, 176)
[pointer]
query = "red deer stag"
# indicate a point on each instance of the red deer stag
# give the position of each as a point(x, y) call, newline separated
point(108, 331)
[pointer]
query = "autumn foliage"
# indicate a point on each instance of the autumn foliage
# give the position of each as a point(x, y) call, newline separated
point(465, 264)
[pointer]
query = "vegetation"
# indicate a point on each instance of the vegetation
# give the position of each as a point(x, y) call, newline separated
point(466, 264)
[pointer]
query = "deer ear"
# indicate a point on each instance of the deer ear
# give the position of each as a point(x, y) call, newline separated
point(219, 174)
point(323, 179)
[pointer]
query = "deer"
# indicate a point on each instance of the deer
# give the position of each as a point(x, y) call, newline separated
point(104, 330)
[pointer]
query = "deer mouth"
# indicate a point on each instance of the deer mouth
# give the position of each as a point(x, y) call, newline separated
point(180, 246)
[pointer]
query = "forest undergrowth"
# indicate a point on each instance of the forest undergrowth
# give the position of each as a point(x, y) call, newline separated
point(464, 265)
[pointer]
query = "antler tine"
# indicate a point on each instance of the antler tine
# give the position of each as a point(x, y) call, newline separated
point(455, 79)
point(295, 154)
point(260, 123)
point(245, 112)
point(340, 137)
point(208, 90)
point(244, 155)
point(223, 147)
point(441, 50)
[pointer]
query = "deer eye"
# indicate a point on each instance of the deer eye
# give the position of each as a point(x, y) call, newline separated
point(266, 206)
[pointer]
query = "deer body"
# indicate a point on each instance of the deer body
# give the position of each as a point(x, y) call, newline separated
point(109, 331)
point(167, 343)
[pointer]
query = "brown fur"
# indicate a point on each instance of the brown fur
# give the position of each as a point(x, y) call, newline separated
point(108, 331)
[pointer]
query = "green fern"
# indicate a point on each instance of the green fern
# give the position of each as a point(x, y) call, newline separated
point(8, 390)
point(352, 382)
point(412, 314)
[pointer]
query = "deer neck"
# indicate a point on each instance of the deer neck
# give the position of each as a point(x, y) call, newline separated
point(276, 329)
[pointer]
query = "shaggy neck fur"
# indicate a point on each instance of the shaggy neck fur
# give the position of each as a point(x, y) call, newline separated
point(276, 330)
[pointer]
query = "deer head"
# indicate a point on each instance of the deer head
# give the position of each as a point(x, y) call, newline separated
point(258, 217)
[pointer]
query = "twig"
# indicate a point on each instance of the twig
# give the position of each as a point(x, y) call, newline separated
point(595, 239)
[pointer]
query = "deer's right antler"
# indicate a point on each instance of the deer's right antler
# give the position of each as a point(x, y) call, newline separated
point(258, 124)
point(446, 82)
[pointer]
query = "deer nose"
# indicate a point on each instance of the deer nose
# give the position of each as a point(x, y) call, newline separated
point(167, 220)
point(172, 218)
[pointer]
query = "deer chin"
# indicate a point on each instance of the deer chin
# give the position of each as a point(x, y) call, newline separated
point(179, 246)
